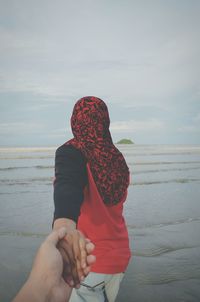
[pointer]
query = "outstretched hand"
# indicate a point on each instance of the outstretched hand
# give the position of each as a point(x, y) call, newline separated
point(48, 267)
point(45, 282)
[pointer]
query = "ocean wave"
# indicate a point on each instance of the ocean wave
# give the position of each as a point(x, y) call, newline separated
point(12, 168)
point(126, 155)
point(152, 163)
point(21, 234)
point(27, 181)
point(132, 154)
point(157, 182)
point(163, 224)
point(27, 157)
point(44, 167)
point(26, 167)
point(161, 250)
point(23, 192)
point(165, 170)
point(169, 276)
point(26, 149)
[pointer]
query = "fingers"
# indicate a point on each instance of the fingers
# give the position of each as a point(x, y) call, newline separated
point(82, 246)
point(86, 248)
point(67, 275)
point(69, 261)
point(62, 232)
point(78, 243)
point(91, 259)
point(57, 235)
point(89, 247)
point(66, 266)
point(72, 275)
point(83, 257)
point(75, 251)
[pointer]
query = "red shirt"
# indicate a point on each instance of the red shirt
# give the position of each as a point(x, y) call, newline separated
point(105, 227)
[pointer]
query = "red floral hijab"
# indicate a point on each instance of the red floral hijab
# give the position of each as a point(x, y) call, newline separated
point(90, 125)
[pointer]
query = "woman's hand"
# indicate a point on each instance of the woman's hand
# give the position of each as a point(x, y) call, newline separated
point(74, 249)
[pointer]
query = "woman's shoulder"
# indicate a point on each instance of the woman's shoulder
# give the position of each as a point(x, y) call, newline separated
point(70, 152)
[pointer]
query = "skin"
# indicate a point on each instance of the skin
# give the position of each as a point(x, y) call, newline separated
point(45, 282)
point(73, 251)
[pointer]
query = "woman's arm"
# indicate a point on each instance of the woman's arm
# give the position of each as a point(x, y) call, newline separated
point(70, 180)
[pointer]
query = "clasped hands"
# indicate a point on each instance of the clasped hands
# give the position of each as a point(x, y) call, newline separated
point(62, 261)
point(76, 253)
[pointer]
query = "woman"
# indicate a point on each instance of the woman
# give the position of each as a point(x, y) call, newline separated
point(91, 181)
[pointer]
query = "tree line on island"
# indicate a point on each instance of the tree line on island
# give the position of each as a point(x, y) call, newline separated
point(125, 141)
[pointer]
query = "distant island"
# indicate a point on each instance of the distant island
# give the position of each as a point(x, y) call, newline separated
point(125, 141)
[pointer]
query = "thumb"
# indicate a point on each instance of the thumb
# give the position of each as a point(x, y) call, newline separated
point(57, 235)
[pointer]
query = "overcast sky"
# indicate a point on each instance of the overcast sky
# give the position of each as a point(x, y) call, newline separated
point(141, 57)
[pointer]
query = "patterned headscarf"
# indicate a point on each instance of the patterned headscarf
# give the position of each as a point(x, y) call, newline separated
point(90, 126)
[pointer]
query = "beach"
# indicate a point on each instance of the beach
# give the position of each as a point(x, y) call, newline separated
point(162, 212)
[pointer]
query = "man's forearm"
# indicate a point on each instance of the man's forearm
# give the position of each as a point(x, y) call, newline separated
point(32, 292)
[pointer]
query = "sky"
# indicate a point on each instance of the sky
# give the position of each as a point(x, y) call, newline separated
point(141, 57)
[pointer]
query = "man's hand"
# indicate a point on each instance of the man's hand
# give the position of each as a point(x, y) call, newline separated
point(48, 267)
point(45, 283)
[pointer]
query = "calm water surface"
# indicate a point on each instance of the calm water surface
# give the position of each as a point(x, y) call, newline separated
point(162, 213)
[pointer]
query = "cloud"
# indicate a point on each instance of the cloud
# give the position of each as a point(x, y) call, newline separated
point(188, 129)
point(141, 61)
point(20, 128)
point(193, 127)
point(142, 125)
point(80, 48)
point(197, 119)
point(60, 133)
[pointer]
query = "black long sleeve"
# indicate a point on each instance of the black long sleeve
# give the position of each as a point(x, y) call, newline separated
point(70, 180)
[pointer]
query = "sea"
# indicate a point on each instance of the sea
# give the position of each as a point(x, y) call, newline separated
point(162, 212)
